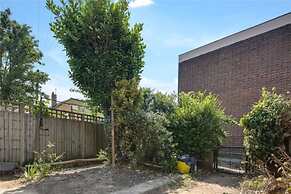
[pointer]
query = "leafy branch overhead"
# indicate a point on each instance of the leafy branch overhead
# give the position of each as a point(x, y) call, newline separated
point(19, 55)
point(101, 45)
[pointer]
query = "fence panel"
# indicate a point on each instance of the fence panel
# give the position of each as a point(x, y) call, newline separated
point(22, 133)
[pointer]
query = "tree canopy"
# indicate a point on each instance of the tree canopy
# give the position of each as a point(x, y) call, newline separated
point(101, 45)
point(19, 55)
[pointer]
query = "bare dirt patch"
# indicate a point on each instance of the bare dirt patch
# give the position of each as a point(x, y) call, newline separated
point(9, 182)
point(100, 179)
point(218, 183)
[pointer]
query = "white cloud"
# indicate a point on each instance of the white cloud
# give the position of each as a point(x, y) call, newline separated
point(140, 3)
point(62, 86)
point(158, 85)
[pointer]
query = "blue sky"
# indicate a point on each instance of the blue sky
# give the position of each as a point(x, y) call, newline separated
point(171, 27)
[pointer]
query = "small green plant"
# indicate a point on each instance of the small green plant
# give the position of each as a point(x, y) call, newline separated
point(102, 155)
point(31, 172)
point(42, 166)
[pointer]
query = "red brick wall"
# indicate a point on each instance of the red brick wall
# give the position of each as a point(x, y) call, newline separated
point(237, 73)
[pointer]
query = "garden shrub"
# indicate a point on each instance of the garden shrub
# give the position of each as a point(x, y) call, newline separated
point(141, 126)
point(157, 142)
point(198, 123)
point(262, 132)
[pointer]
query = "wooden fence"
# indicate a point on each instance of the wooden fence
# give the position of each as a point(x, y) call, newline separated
point(74, 135)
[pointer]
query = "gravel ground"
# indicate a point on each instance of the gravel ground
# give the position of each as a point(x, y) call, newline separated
point(101, 179)
point(218, 183)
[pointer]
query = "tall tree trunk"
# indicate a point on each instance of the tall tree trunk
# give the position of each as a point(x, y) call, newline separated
point(112, 133)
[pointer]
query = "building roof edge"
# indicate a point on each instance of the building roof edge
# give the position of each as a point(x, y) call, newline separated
point(264, 27)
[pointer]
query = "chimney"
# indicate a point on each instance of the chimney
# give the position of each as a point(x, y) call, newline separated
point(53, 100)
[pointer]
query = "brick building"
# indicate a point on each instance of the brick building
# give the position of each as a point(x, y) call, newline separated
point(238, 66)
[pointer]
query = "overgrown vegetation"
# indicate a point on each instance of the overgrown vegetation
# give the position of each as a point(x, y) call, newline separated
point(263, 131)
point(142, 133)
point(42, 166)
point(154, 127)
point(266, 129)
point(267, 182)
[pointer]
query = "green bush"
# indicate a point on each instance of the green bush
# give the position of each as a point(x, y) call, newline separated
point(198, 123)
point(141, 125)
point(262, 129)
point(158, 145)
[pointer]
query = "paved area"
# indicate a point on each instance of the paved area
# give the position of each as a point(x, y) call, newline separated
point(99, 180)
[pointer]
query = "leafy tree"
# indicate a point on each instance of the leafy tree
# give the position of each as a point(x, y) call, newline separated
point(263, 132)
point(101, 45)
point(198, 123)
point(19, 54)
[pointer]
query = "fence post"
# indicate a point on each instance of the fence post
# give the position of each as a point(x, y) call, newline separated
point(38, 126)
point(83, 137)
point(23, 134)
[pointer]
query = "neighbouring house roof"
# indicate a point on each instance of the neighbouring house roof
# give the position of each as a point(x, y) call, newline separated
point(237, 37)
point(71, 101)
point(74, 105)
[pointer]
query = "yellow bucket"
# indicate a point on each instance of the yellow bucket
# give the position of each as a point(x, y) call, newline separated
point(183, 168)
